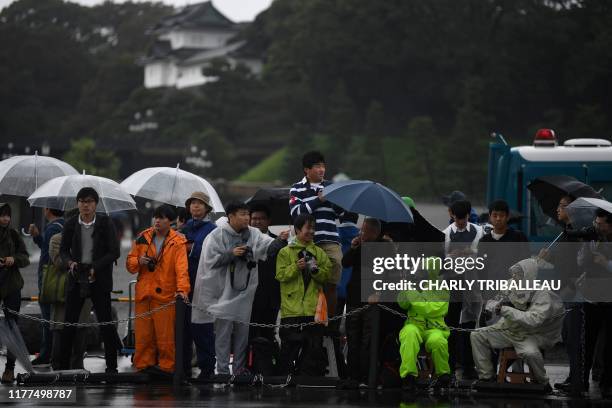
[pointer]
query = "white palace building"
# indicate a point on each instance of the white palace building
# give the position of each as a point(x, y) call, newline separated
point(188, 41)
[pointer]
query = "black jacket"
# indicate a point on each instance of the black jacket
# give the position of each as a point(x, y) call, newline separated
point(106, 248)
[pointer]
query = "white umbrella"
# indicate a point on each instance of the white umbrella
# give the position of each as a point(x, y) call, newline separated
point(170, 185)
point(60, 193)
point(22, 175)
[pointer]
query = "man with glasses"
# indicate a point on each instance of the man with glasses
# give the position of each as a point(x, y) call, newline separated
point(88, 250)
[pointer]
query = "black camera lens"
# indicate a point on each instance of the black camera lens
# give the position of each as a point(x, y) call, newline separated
point(151, 265)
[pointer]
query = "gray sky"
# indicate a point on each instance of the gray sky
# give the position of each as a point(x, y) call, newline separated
point(237, 10)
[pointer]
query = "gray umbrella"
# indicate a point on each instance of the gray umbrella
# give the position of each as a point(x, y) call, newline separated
point(22, 175)
point(10, 336)
point(60, 193)
point(582, 211)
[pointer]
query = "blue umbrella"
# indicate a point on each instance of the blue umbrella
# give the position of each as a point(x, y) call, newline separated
point(368, 198)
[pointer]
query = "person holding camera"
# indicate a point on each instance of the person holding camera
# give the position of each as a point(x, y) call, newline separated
point(88, 250)
point(159, 257)
point(302, 268)
point(13, 255)
point(226, 282)
point(595, 260)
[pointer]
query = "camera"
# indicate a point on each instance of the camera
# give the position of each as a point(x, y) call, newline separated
point(248, 258)
point(311, 262)
point(151, 265)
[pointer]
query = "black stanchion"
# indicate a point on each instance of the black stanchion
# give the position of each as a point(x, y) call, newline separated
point(178, 341)
point(375, 315)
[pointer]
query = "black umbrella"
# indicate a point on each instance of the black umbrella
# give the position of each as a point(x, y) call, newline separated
point(549, 190)
point(276, 200)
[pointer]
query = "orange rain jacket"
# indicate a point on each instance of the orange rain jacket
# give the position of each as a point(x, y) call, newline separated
point(170, 275)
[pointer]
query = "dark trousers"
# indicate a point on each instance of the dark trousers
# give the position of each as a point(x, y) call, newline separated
point(296, 343)
point(452, 319)
point(13, 302)
point(78, 349)
point(46, 342)
point(187, 342)
point(204, 339)
point(102, 307)
point(359, 339)
point(596, 317)
point(267, 315)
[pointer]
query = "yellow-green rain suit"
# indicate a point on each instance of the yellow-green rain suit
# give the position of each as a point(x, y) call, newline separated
point(425, 324)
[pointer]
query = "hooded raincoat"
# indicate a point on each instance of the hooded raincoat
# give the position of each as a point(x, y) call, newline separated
point(531, 322)
point(225, 285)
point(425, 324)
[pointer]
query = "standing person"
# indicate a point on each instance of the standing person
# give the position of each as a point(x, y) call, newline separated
point(13, 255)
point(501, 257)
point(595, 259)
point(302, 268)
point(359, 326)
point(58, 313)
point(89, 248)
point(226, 282)
point(564, 257)
point(55, 225)
point(461, 240)
point(306, 197)
point(196, 229)
point(452, 198)
point(159, 257)
point(267, 299)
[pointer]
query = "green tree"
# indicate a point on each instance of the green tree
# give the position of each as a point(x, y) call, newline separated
point(84, 155)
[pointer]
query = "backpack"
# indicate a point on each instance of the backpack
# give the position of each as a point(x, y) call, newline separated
point(390, 361)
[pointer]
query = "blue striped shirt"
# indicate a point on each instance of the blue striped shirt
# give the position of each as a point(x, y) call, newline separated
point(303, 199)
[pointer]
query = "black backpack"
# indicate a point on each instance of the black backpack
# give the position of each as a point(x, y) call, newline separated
point(390, 361)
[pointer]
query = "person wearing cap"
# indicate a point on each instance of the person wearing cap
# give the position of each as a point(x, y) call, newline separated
point(89, 248)
point(196, 229)
point(452, 198)
point(159, 258)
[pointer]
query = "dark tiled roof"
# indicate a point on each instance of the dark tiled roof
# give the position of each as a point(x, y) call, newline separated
point(200, 15)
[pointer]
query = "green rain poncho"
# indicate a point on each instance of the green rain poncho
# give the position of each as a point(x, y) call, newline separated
point(425, 324)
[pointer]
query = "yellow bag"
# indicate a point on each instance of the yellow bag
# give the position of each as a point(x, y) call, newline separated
point(321, 311)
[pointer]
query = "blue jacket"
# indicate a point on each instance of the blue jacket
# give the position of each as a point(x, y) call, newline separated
point(42, 241)
point(196, 231)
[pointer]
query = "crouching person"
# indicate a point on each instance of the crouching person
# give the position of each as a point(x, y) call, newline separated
point(302, 268)
point(425, 325)
point(530, 321)
point(159, 257)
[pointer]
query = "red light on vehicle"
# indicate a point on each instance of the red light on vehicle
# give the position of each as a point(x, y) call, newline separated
point(545, 137)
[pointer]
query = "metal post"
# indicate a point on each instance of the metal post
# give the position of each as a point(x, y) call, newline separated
point(374, 311)
point(178, 341)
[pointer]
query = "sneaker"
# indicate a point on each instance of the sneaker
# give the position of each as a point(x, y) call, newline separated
point(8, 377)
point(41, 362)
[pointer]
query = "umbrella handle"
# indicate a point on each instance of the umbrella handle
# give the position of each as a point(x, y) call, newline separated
point(24, 233)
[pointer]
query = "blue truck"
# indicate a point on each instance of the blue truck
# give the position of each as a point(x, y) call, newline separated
point(511, 169)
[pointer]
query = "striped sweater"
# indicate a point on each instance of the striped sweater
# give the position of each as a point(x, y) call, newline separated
point(303, 199)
